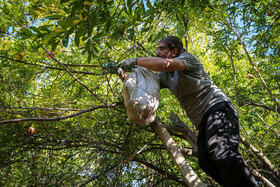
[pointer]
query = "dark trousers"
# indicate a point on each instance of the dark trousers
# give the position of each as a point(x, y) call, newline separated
point(217, 142)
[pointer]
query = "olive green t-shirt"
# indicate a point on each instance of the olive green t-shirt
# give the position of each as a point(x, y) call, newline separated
point(193, 88)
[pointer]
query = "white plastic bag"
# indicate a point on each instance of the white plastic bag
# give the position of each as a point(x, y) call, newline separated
point(141, 92)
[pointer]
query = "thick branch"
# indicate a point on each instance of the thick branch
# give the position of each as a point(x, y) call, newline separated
point(265, 180)
point(182, 128)
point(187, 172)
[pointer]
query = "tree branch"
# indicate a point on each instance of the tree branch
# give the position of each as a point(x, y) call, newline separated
point(161, 171)
point(254, 67)
point(50, 67)
point(259, 105)
point(270, 27)
point(93, 177)
point(178, 158)
point(186, 22)
point(74, 76)
point(265, 180)
point(233, 69)
point(38, 108)
point(189, 152)
point(55, 119)
point(182, 128)
point(261, 156)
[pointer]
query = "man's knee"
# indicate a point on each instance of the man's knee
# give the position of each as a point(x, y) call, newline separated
point(203, 162)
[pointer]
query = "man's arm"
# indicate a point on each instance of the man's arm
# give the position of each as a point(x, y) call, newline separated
point(161, 64)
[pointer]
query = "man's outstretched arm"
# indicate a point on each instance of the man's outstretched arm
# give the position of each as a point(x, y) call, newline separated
point(161, 64)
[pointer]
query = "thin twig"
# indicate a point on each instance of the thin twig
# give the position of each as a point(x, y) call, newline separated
point(38, 108)
point(55, 68)
point(57, 118)
point(161, 171)
point(64, 67)
point(253, 65)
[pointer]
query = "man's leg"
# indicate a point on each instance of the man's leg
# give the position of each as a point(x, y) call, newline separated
point(206, 163)
point(222, 139)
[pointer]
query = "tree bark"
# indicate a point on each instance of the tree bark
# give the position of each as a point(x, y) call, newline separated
point(178, 158)
point(261, 156)
point(185, 130)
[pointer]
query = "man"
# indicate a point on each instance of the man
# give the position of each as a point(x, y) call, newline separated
point(209, 109)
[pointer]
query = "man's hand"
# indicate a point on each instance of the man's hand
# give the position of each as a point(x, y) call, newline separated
point(125, 65)
point(128, 64)
point(110, 67)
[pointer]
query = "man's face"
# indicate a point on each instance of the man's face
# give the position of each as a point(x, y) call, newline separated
point(163, 51)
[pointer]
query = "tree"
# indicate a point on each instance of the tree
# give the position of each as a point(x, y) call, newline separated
point(51, 57)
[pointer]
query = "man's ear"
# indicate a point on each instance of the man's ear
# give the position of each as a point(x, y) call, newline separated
point(174, 52)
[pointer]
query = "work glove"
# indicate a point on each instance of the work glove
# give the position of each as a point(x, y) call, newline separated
point(127, 64)
point(110, 67)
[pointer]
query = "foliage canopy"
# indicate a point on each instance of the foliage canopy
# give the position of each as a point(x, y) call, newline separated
point(51, 57)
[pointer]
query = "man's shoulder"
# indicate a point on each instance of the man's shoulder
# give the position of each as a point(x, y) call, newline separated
point(189, 59)
point(187, 55)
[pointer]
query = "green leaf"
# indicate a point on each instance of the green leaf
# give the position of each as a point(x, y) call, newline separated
point(34, 29)
point(149, 5)
point(129, 4)
point(65, 41)
point(143, 30)
point(94, 18)
point(66, 23)
point(77, 38)
point(89, 55)
point(64, 1)
point(87, 46)
point(54, 45)
point(54, 17)
point(45, 28)
point(26, 32)
point(130, 34)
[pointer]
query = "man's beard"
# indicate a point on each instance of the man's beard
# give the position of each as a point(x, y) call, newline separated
point(168, 56)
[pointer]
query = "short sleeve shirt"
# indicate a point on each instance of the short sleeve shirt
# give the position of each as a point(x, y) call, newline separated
point(193, 88)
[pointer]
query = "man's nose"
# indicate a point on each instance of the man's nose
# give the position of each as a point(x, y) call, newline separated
point(157, 52)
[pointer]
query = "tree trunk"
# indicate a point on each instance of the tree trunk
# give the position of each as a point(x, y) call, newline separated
point(178, 158)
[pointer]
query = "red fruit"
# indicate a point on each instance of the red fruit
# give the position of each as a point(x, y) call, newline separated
point(52, 53)
point(31, 130)
point(21, 56)
point(270, 14)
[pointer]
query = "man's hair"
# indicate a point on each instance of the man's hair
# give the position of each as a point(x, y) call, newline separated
point(174, 42)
